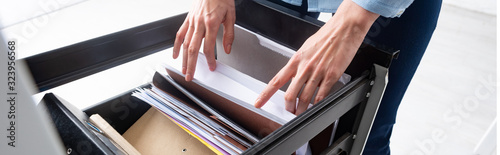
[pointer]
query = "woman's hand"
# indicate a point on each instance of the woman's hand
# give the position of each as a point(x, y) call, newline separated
point(203, 21)
point(322, 59)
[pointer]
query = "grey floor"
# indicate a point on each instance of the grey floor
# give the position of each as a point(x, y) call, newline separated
point(452, 99)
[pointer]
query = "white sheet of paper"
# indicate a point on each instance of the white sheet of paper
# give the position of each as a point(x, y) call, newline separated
point(236, 84)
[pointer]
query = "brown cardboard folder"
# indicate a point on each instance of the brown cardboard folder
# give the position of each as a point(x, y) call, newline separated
point(154, 133)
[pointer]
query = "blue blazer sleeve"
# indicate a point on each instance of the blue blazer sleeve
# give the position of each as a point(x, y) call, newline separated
point(386, 8)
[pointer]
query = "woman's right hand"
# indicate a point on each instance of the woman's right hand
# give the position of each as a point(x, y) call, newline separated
point(203, 21)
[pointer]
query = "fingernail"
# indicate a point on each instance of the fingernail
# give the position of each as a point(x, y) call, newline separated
point(257, 103)
point(228, 48)
point(184, 70)
point(318, 98)
point(211, 67)
point(290, 109)
point(189, 77)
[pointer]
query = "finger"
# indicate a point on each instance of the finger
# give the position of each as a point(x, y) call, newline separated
point(324, 88)
point(295, 86)
point(186, 43)
point(179, 37)
point(307, 94)
point(193, 50)
point(210, 38)
point(283, 76)
point(228, 35)
point(184, 60)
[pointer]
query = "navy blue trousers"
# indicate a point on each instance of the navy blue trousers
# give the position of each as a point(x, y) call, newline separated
point(409, 33)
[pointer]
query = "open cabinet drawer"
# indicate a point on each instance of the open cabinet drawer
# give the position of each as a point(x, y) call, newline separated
point(354, 105)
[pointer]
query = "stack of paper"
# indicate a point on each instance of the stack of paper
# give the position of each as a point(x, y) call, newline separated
point(208, 131)
point(227, 123)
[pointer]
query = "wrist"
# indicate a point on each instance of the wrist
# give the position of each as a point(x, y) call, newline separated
point(352, 18)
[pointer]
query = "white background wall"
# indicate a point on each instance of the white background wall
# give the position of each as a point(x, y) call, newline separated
point(12, 12)
point(483, 6)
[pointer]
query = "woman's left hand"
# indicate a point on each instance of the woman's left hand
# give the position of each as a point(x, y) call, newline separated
point(322, 59)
